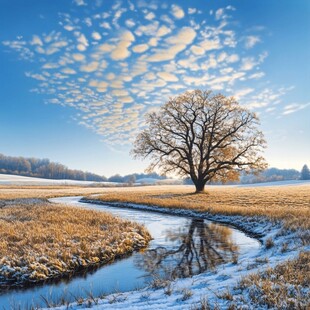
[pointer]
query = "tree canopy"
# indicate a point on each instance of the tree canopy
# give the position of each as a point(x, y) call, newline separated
point(204, 136)
point(305, 173)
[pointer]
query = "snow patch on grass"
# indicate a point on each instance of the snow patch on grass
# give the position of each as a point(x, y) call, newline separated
point(217, 288)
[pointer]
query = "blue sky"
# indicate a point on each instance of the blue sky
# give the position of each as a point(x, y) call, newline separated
point(77, 77)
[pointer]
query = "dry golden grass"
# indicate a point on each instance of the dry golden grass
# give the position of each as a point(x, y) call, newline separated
point(47, 191)
point(45, 240)
point(284, 287)
point(291, 204)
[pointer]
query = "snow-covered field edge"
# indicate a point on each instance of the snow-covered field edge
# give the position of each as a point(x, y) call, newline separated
point(191, 293)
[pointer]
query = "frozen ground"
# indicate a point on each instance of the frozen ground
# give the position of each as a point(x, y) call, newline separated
point(8, 179)
point(189, 293)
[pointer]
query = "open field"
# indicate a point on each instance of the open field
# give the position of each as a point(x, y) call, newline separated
point(265, 281)
point(289, 204)
point(40, 240)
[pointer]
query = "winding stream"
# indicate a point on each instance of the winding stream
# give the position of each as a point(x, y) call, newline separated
point(180, 247)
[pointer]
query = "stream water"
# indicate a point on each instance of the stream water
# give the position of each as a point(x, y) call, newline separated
point(181, 247)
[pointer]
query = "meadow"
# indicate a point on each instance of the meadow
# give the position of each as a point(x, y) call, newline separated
point(284, 286)
point(288, 204)
point(286, 208)
point(40, 240)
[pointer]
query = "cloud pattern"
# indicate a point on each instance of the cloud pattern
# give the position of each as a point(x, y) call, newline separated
point(116, 65)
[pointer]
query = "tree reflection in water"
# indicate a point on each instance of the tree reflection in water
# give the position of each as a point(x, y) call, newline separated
point(200, 246)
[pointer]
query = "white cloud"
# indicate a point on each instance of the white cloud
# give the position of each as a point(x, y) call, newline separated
point(219, 14)
point(120, 92)
point(36, 40)
point(177, 11)
point(192, 10)
point(294, 107)
point(149, 29)
point(105, 25)
point(162, 31)
point(150, 16)
point(82, 40)
point(68, 71)
point(242, 92)
point(167, 54)
point(168, 77)
point(111, 76)
point(232, 58)
point(257, 75)
point(90, 67)
point(79, 2)
point(121, 50)
point(78, 57)
point(153, 42)
point(248, 63)
point(68, 27)
point(197, 50)
point(209, 45)
point(106, 48)
point(130, 23)
point(50, 66)
point(126, 99)
point(96, 35)
point(36, 76)
point(140, 48)
point(250, 41)
point(185, 36)
point(81, 47)
point(221, 57)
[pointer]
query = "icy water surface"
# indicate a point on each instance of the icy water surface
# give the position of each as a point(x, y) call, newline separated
point(181, 247)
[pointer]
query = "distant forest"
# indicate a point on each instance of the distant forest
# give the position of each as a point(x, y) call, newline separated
point(44, 168)
point(269, 175)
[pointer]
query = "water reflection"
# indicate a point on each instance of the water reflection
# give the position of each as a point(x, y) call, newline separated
point(199, 246)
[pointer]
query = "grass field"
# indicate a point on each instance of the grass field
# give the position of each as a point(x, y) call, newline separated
point(40, 240)
point(290, 204)
point(285, 286)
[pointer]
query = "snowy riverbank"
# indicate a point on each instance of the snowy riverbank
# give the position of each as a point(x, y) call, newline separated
point(218, 288)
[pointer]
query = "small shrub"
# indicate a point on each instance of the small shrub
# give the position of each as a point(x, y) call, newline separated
point(168, 290)
point(284, 247)
point(269, 243)
point(186, 294)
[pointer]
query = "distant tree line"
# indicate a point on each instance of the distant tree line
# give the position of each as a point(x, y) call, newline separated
point(132, 178)
point(44, 168)
point(270, 175)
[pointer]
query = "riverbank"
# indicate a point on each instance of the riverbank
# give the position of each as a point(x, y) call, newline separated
point(278, 276)
point(41, 241)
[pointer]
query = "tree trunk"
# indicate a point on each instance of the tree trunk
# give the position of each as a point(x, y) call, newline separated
point(200, 186)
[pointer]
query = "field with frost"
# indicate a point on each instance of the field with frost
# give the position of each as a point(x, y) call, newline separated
point(40, 240)
point(277, 276)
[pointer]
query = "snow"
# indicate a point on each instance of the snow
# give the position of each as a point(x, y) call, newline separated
point(210, 284)
point(152, 181)
point(8, 179)
point(278, 183)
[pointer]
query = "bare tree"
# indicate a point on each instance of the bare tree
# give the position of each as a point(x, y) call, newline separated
point(204, 136)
